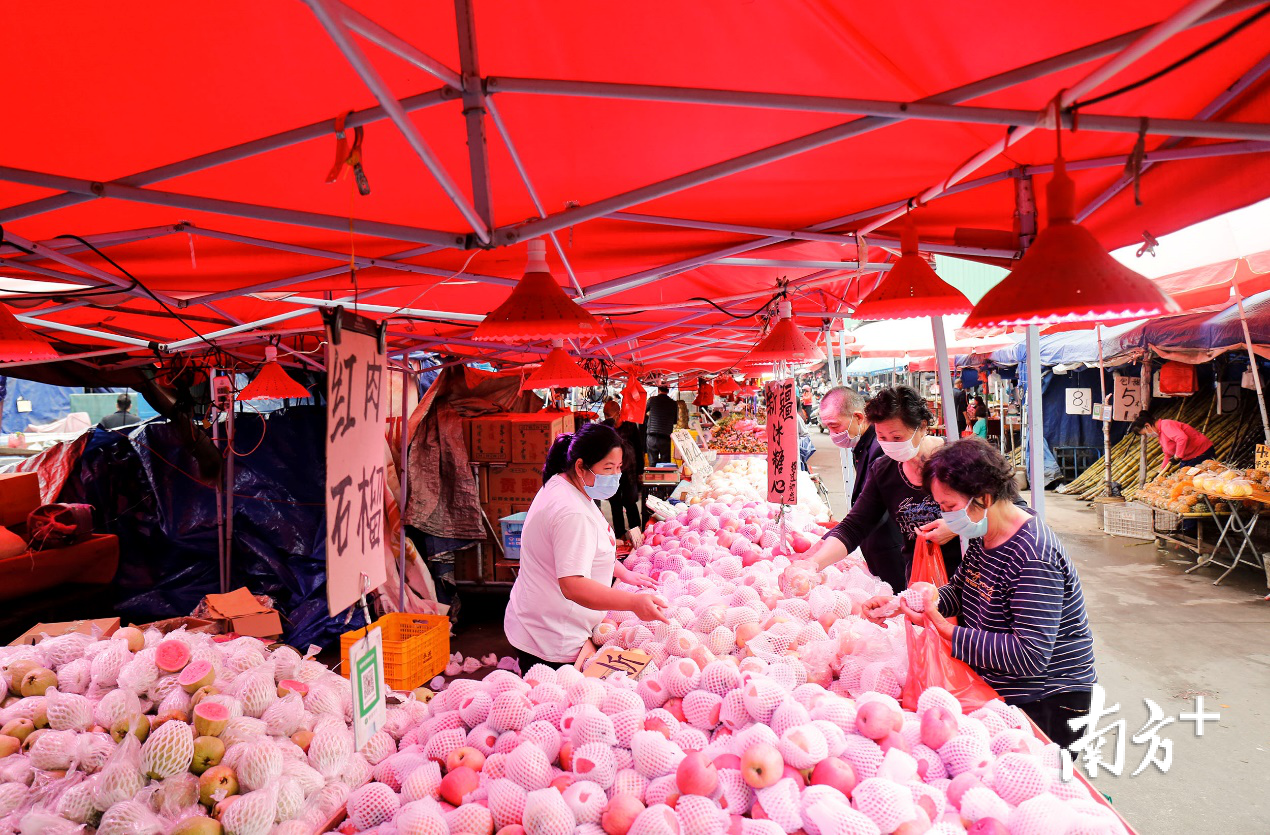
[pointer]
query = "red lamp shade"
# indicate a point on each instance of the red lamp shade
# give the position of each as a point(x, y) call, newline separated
point(911, 289)
point(272, 382)
point(724, 384)
point(558, 370)
point(784, 343)
point(17, 342)
point(537, 308)
point(1066, 276)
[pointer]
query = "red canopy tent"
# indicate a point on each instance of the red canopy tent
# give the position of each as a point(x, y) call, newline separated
point(682, 170)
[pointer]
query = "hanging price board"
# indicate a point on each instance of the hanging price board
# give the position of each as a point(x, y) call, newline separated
point(782, 443)
point(1080, 401)
point(355, 421)
point(693, 457)
point(1128, 398)
point(1263, 457)
point(611, 660)
point(366, 674)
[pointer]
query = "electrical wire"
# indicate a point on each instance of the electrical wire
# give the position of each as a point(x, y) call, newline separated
point(765, 305)
point(1178, 64)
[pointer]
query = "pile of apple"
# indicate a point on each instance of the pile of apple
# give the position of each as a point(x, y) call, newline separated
point(744, 483)
point(144, 733)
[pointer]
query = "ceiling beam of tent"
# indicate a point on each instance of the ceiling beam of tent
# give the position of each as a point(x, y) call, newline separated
point(1212, 109)
point(381, 37)
point(790, 264)
point(184, 344)
point(533, 193)
point(474, 112)
point(391, 262)
point(386, 308)
point(1181, 20)
point(63, 358)
point(104, 336)
point(841, 238)
point(328, 14)
point(231, 208)
point(995, 83)
point(897, 110)
point(1129, 45)
point(70, 246)
point(807, 282)
point(612, 343)
point(302, 357)
point(652, 343)
point(295, 136)
point(67, 261)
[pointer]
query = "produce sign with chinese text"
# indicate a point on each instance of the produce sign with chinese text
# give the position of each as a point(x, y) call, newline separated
point(355, 416)
point(782, 443)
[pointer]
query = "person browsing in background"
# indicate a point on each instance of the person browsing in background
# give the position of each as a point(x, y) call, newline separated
point(894, 485)
point(808, 399)
point(976, 419)
point(1181, 443)
point(961, 402)
point(659, 422)
point(1017, 596)
point(122, 416)
point(842, 415)
point(568, 555)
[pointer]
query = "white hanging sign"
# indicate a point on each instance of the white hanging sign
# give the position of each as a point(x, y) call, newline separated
point(1080, 401)
point(356, 412)
point(1128, 398)
point(366, 674)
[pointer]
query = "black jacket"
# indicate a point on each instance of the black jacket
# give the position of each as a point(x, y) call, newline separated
point(961, 402)
point(116, 419)
point(662, 415)
point(883, 547)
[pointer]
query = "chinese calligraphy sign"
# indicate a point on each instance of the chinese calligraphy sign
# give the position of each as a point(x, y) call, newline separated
point(782, 443)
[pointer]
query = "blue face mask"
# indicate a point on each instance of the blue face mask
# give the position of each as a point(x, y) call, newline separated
point(605, 486)
point(959, 522)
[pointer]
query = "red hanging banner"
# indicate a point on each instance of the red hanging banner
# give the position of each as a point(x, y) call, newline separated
point(782, 443)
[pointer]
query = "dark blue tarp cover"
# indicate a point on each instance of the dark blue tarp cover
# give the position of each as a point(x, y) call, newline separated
point(48, 403)
point(146, 488)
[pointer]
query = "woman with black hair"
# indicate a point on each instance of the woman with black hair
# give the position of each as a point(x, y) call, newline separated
point(902, 421)
point(568, 554)
point(1016, 595)
point(1181, 443)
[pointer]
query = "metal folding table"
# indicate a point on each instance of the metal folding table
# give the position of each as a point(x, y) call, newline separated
point(1236, 533)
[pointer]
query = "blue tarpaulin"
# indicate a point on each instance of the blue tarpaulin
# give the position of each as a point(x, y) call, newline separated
point(48, 403)
point(1206, 333)
point(148, 491)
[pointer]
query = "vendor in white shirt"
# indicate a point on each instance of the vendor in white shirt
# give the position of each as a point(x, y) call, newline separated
point(568, 555)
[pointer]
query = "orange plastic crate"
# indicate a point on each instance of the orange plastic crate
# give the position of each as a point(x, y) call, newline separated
point(416, 648)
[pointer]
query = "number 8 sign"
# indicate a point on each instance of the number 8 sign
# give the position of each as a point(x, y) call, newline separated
point(1080, 401)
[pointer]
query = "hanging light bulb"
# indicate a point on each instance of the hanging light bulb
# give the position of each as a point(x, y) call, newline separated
point(1067, 276)
point(537, 308)
point(784, 342)
point(272, 382)
point(558, 370)
point(911, 289)
point(18, 342)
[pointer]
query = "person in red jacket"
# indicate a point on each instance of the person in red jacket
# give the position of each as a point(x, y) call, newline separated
point(1182, 443)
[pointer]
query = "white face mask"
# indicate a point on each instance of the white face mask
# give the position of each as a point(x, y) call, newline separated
point(845, 439)
point(900, 450)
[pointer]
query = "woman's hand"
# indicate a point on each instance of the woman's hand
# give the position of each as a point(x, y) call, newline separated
point(649, 607)
point(937, 532)
point(939, 623)
point(875, 609)
point(633, 578)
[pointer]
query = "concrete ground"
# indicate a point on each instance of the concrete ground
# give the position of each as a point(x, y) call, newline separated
point(1170, 637)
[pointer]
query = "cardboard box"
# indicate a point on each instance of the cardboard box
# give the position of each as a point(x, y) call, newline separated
point(19, 495)
point(92, 561)
point(533, 434)
point(210, 627)
point(469, 567)
point(239, 611)
point(491, 438)
point(511, 483)
point(107, 627)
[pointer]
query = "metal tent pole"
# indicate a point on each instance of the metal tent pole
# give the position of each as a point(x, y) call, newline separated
point(1252, 361)
point(401, 490)
point(1145, 378)
point(220, 504)
point(1106, 423)
point(229, 497)
point(944, 373)
point(1036, 424)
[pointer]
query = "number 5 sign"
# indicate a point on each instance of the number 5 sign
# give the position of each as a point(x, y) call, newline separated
point(1080, 401)
point(1128, 398)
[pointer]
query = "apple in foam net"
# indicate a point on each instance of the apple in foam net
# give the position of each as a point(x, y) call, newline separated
point(566, 756)
point(876, 719)
point(459, 783)
point(696, 775)
point(746, 632)
point(728, 761)
point(938, 726)
point(620, 814)
point(762, 766)
point(675, 707)
point(836, 773)
point(465, 756)
point(988, 826)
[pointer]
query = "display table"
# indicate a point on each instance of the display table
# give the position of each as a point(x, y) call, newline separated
point(1235, 532)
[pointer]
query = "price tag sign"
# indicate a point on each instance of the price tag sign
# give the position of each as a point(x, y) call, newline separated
point(1128, 398)
point(1228, 394)
point(1080, 401)
point(366, 674)
point(1263, 457)
point(782, 443)
point(612, 660)
point(694, 459)
point(356, 416)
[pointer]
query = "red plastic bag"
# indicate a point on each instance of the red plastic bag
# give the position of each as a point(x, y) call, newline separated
point(1178, 378)
point(928, 565)
point(930, 664)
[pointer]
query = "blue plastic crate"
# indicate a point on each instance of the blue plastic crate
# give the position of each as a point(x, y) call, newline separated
point(512, 526)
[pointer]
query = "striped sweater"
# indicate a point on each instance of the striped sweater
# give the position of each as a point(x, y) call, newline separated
point(1022, 616)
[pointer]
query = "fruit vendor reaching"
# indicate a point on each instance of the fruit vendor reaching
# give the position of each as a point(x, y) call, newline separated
point(1181, 443)
point(568, 554)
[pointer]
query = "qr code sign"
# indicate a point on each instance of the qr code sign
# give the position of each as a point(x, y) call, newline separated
point(368, 684)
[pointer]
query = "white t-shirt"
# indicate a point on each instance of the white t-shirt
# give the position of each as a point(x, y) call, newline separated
point(565, 535)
